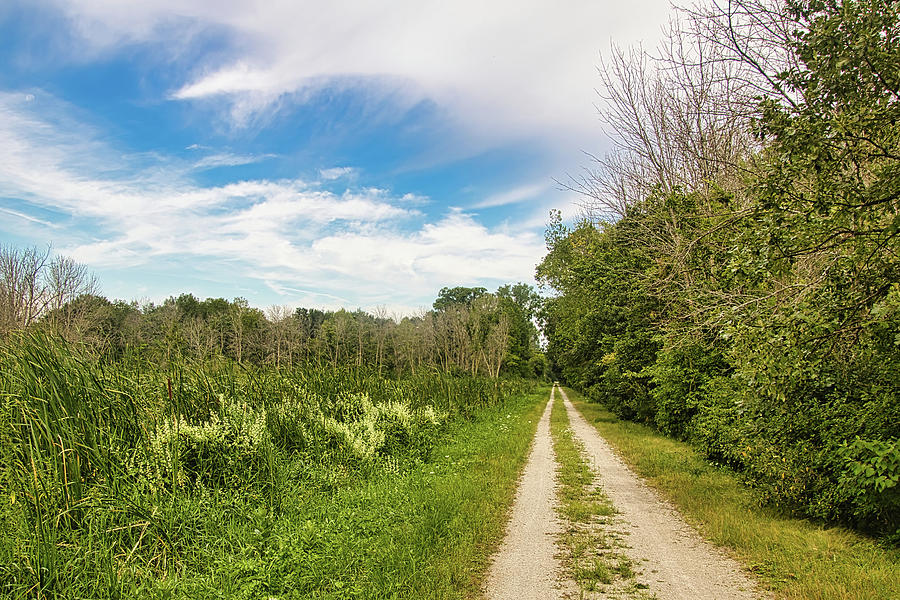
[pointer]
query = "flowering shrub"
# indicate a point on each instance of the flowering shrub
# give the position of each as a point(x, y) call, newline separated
point(223, 450)
point(383, 429)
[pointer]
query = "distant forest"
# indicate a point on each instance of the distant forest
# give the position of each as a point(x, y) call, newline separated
point(469, 330)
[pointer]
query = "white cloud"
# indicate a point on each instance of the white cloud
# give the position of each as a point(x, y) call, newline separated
point(505, 69)
point(227, 159)
point(368, 246)
point(455, 250)
point(514, 195)
point(414, 199)
point(336, 173)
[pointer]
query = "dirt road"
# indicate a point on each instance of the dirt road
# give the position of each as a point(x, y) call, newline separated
point(674, 561)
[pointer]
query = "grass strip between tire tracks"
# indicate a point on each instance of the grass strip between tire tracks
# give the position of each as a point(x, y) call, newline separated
point(591, 545)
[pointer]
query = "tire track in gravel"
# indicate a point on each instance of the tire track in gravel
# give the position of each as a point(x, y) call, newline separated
point(526, 567)
point(674, 561)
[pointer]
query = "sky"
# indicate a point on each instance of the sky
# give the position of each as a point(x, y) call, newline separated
point(318, 154)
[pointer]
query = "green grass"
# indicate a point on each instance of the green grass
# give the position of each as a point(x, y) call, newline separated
point(426, 532)
point(796, 558)
point(591, 546)
point(417, 530)
point(207, 480)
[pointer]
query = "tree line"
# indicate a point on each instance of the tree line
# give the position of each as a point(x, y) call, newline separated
point(735, 279)
point(469, 330)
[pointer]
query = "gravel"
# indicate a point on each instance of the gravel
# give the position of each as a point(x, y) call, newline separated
point(671, 557)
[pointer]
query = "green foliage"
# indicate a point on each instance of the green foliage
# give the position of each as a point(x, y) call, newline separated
point(448, 297)
point(519, 304)
point(763, 324)
point(601, 332)
point(871, 477)
point(680, 377)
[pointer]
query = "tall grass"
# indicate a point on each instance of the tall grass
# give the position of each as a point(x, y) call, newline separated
point(68, 431)
point(108, 468)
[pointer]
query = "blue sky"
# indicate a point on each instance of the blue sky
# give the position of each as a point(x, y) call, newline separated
point(295, 153)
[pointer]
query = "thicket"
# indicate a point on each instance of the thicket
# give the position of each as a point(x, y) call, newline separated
point(106, 465)
point(736, 284)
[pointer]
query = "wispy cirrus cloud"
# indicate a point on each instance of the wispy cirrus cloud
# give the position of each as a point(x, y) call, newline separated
point(227, 159)
point(515, 195)
point(502, 70)
point(20, 215)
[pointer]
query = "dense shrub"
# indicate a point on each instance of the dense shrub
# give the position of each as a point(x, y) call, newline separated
point(230, 449)
point(871, 478)
point(679, 383)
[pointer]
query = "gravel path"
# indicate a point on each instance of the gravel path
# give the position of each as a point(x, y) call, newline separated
point(525, 567)
point(676, 563)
